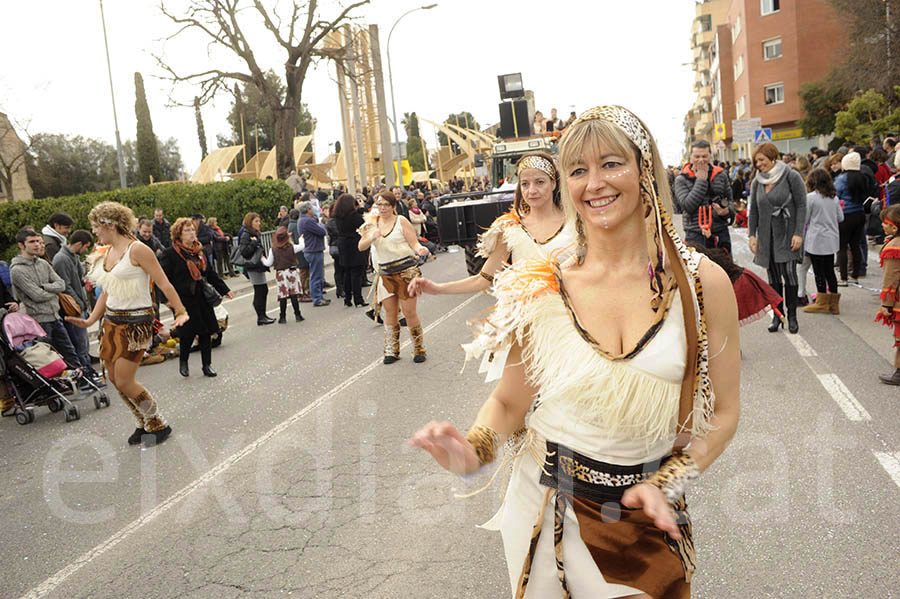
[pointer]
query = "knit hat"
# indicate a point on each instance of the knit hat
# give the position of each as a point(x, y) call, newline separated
point(850, 162)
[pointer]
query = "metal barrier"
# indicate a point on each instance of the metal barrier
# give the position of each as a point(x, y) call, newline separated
point(265, 238)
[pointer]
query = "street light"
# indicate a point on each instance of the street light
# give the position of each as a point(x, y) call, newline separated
point(391, 81)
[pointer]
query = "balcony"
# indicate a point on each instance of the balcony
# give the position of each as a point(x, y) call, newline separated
point(705, 92)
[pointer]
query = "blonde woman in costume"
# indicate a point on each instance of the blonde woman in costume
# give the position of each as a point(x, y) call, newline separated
point(633, 348)
point(395, 248)
point(534, 228)
point(124, 273)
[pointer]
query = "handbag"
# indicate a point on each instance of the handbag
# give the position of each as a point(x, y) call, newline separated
point(68, 305)
point(254, 262)
point(210, 294)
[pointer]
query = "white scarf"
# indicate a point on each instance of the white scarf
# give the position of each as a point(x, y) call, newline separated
point(774, 174)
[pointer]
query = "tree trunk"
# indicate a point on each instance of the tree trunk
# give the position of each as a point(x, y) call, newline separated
point(285, 121)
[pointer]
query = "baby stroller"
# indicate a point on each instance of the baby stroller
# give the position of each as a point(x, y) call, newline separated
point(36, 375)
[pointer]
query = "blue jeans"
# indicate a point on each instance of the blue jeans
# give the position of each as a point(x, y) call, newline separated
point(60, 341)
point(80, 342)
point(316, 274)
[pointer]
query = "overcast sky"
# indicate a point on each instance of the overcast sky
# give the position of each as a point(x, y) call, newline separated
point(573, 54)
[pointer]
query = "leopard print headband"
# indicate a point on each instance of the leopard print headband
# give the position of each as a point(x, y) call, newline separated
point(538, 162)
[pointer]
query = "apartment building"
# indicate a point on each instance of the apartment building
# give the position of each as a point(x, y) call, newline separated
point(759, 55)
point(709, 15)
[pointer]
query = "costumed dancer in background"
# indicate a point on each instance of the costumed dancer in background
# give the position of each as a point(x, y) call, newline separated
point(396, 247)
point(633, 349)
point(124, 274)
point(889, 314)
point(534, 227)
point(754, 296)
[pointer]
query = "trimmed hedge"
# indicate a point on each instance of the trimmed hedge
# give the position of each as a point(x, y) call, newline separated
point(228, 201)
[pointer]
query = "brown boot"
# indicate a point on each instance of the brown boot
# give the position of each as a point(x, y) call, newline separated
point(391, 343)
point(823, 301)
point(834, 307)
point(418, 337)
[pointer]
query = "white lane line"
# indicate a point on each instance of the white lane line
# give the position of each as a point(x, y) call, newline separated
point(844, 398)
point(49, 585)
point(891, 463)
point(800, 344)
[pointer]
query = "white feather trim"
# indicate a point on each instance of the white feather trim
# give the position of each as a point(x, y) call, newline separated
point(124, 290)
point(487, 241)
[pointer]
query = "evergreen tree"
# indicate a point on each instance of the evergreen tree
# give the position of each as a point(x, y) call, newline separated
point(201, 132)
point(147, 150)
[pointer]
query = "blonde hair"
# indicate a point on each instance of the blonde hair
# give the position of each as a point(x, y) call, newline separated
point(596, 136)
point(114, 214)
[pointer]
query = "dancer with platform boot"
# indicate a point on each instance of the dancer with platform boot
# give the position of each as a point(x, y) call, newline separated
point(124, 272)
point(396, 245)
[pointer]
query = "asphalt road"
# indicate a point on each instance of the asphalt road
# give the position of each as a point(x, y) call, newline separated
point(289, 473)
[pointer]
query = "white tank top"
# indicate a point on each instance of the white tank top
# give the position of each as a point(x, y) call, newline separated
point(127, 286)
point(393, 246)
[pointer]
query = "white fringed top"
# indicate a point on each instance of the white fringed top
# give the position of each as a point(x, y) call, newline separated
point(127, 286)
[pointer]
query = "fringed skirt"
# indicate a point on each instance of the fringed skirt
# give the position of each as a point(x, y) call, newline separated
point(126, 334)
point(565, 535)
point(397, 282)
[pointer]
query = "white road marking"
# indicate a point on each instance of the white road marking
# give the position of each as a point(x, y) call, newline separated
point(844, 398)
point(49, 585)
point(803, 348)
point(891, 463)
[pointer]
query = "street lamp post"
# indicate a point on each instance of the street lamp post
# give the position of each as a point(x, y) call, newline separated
point(391, 82)
point(113, 95)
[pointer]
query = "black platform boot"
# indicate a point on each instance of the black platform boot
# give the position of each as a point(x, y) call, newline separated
point(791, 299)
point(183, 365)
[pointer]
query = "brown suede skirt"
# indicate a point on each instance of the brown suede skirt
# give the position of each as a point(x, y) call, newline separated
point(625, 544)
point(126, 334)
point(398, 282)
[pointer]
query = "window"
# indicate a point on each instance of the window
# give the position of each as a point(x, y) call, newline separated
point(705, 23)
point(739, 107)
point(772, 49)
point(739, 67)
point(736, 28)
point(775, 93)
point(767, 7)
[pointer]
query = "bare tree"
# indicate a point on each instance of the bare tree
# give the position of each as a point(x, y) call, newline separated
point(302, 36)
point(12, 155)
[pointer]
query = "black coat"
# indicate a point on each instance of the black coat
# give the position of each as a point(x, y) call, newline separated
point(203, 318)
point(348, 240)
point(248, 246)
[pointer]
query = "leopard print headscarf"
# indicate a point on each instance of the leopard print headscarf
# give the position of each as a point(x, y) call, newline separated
point(662, 283)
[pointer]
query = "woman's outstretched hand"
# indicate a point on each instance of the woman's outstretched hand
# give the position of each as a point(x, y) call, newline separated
point(78, 322)
point(447, 446)
point(654, 503)
point(421, 285)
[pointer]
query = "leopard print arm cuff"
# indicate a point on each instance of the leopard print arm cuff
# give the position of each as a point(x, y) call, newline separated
point(487, 276)
point(485, 441)
point(674, 475)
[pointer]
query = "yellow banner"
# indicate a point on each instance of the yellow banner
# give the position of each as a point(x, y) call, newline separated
point(720, 131)
point(787, 134)
point(407, 171)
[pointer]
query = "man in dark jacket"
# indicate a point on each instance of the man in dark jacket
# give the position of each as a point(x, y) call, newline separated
point(205, 235)
point(162, 229)
point(68, 266)
point(703, 192)
point(314, 250)
point(55, 232)
point(303, 265)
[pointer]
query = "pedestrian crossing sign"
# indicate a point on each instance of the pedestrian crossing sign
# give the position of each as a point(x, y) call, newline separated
point(720, 131)
point(761, 136)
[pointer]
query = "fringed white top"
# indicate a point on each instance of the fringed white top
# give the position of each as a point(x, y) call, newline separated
point(521, 245)
point(127, 286)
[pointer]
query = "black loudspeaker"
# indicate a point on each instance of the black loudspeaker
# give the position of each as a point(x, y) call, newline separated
point(522, 125)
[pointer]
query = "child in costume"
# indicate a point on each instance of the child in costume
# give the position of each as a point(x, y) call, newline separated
point(754, 296)
point(889, 314)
